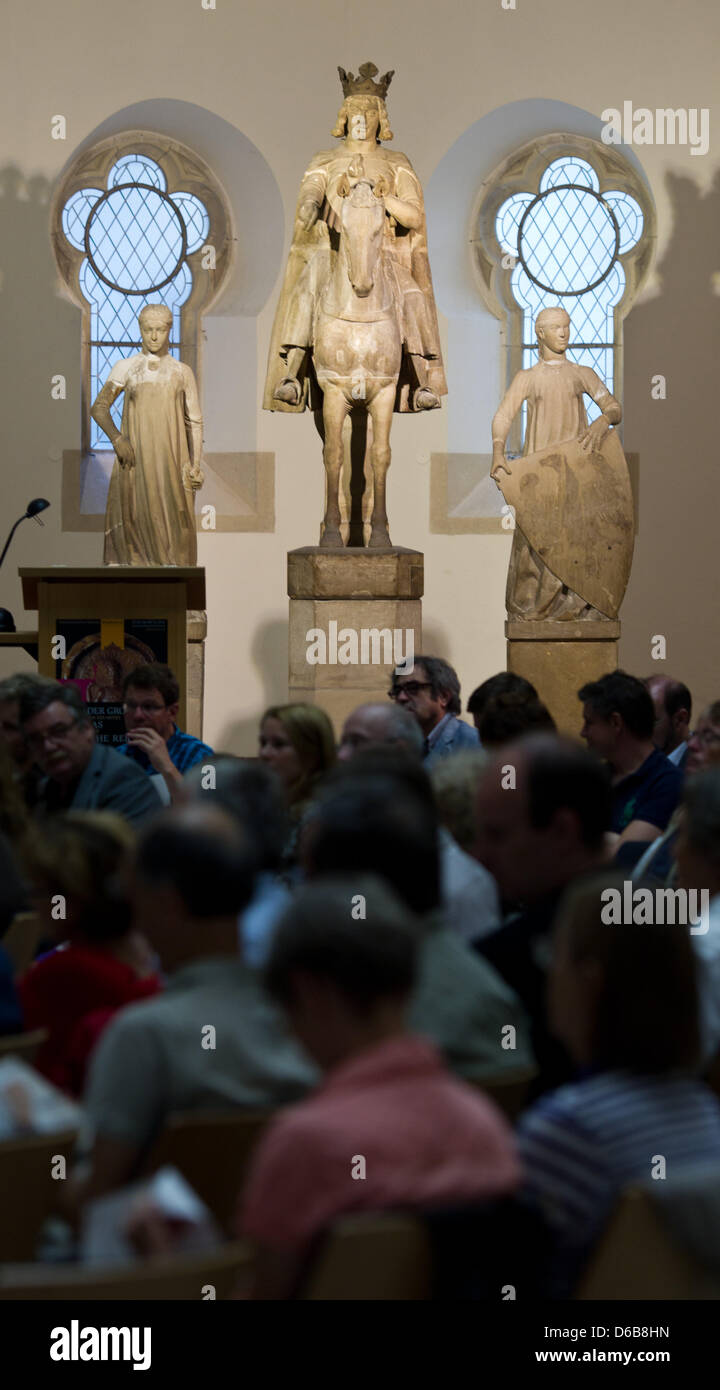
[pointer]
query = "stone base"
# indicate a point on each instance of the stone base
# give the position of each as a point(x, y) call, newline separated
point(559, 658)
point(195, 677)
point(354, 615)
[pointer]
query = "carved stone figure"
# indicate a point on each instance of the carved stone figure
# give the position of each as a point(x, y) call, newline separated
point(574, 532)
point(150, 514)
point(356, 323)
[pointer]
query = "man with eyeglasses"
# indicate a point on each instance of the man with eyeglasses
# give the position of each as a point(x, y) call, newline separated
point(79, 773)
point(151, 700)
point(431, 694)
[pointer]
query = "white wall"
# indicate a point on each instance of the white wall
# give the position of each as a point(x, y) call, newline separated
point(253, 87)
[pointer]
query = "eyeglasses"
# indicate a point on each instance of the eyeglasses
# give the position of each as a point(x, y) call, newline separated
point(410, 688)
point(144, 706)
point(706, 736)
point(59, 733)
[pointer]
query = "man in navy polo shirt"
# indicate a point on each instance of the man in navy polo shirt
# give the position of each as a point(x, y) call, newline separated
point(618, 724)
point(151, 699)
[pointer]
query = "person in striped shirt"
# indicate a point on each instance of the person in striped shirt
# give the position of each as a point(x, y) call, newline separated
point(624, 1001)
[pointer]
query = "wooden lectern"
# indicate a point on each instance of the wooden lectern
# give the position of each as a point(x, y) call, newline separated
point(112, 618)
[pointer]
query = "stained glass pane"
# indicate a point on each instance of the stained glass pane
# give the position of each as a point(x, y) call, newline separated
point(570, 170)
point(137, 168)
point(197, 222)
point(138, 237)
point(569, 245)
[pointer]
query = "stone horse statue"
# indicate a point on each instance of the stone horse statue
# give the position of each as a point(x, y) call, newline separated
point(357, 350)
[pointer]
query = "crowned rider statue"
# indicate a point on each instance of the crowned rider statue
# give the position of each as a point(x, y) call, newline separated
point(362, 125)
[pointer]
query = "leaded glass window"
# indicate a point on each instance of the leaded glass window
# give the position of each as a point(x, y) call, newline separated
point(568, 240)
point(136, 238)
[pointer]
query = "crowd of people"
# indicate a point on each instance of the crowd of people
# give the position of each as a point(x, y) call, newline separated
point(369, 938)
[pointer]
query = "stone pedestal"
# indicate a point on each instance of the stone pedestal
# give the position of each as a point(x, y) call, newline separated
point(559, 658)
point(354, 614)
point(195, 671)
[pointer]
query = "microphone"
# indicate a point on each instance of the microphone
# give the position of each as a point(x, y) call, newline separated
point(38, 504)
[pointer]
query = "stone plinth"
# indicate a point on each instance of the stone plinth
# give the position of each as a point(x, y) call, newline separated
point(195, 686)
point(354, 615)
point(559, 658)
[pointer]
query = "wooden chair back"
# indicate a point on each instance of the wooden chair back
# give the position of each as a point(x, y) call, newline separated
point(636, 1258)
point(212, 1149)
point(371, 1257)
point(186, 1277)
point(30, 1183)
point(22, 938)
point(23, 1045)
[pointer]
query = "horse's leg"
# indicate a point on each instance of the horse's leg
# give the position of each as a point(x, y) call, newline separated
point(381, 411)
point(335, 408)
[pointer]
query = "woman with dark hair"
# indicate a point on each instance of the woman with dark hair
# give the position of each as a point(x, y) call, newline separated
point(623, 999)
point(77, 869)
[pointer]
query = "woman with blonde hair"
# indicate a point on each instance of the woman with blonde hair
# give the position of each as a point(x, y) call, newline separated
point(298, 744)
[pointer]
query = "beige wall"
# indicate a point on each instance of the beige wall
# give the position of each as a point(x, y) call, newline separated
point(262, 81)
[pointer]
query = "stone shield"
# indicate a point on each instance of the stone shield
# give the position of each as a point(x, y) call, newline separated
point(576, 511)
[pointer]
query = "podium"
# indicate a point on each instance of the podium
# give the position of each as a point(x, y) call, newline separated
point(97, 624)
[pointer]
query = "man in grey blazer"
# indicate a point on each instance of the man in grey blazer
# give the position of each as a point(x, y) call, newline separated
point(80, 774)
point(431, 693)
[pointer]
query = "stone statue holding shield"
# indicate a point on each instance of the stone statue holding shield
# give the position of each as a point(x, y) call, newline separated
point(573, 541)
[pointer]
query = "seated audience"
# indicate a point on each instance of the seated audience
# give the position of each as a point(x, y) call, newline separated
point(212, 1038)
point(76, 868)
point(13, 894)
point(431, 694)
point(618, 725)
point(698, 868)
point(388, 1114)
point(704, 741)
point(11, 734)
point(249, 792)
point(379, 724)
point(297, 743)
point(151, 700)
point(535, 835)
point(507, 717)
point(672, 702)
point(80, 774)
point(468, 893)
point(703, 751)
point(504, 683)
point(624, 1002)
point(377, 821)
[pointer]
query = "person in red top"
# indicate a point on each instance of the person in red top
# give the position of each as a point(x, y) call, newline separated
point(390, 1127)
point(77, 869)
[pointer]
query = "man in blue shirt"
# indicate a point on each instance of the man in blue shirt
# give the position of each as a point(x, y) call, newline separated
point(151, 700)
point(619, 722)
point(431, 694)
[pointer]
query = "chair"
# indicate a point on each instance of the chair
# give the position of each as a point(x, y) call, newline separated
point(212, 1149)
point(28, 1190)
point(509, 1091)
point(22, 938)
point(184, 1277)
point(371, 1257)
point(23, 1045)
point(637, 1258)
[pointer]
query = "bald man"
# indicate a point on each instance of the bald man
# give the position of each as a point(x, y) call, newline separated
point(673, 712)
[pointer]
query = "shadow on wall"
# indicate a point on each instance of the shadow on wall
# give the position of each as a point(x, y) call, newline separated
point(674, 589)
point(44, 344)
point(269, 657)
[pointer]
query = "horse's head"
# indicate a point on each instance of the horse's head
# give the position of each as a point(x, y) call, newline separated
point(363, 223)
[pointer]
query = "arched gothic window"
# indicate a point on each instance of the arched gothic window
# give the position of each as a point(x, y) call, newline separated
point(564, 221)
point(138, 220)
